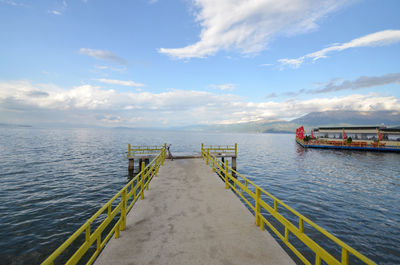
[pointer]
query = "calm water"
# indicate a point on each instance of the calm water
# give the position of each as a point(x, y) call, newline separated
point(52, 180)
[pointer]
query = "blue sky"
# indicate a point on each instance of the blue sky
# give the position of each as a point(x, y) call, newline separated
point(175, 63)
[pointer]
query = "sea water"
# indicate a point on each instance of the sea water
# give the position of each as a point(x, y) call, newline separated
point(53, 180)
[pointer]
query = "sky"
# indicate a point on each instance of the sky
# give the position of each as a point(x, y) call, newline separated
point(171, 63)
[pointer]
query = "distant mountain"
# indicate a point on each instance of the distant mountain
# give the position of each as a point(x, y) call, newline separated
point(309, 121)
point(339, 118)
point(13, 125)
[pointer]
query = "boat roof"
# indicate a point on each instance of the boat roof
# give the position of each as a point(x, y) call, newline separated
point(352, 128)
point(396, 130)
point(380, 128)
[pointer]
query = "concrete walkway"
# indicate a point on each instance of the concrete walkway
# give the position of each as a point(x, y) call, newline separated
point(187, 217)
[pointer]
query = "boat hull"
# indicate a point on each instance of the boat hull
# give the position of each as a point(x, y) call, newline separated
point(346, 147)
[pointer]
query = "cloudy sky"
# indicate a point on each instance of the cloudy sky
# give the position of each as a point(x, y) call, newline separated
point(163, 63)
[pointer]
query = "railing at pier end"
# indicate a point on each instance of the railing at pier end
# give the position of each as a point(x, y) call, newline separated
point(144, 150)
point(221, 149)
point(269, 210)
point(111, 218)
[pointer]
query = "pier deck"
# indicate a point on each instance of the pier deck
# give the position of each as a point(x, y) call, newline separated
point(188, 217)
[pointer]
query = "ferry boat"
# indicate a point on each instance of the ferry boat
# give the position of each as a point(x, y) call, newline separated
point(366, 138)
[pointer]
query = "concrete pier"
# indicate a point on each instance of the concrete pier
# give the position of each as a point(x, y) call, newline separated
point(188, 217)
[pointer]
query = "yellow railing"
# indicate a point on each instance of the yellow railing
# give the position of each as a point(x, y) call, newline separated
point(215, 149)
point(144, 150)
point(242, 185)
point(124, 200)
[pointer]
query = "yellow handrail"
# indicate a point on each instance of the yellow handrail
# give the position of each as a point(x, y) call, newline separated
point(128, 192)
point(220, 148)
point(144, 150)
point(240, 184)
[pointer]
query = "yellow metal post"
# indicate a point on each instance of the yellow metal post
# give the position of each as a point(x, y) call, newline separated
point(317, 260)
point(235, 149)
point(117, 232)
point(301, 225)
point(148, 173)
point(345, 257)
point(257, 212)
point(213, 163)
point(87, 233)
point(226, 175)
point(208, 156)
point(286, 235)
point(162, 155)
point(156, 167)
point(202, 148)
point(129, 150)
point(98, 242)
point(142, 181)
point(123, 210)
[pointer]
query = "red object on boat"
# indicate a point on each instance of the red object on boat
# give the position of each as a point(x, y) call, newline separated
point(300, 133)
point(312, 134)
point(380, 136)
point(344, 135)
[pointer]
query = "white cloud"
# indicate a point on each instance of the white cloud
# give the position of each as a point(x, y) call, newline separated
point(173, 107)
point(12, 3)
point(338, 84)
point(120, 82)
point(61, 7)
point(80, 97)
point(103, 55)
point(360, 83)
point(101, 67)
point(248, 26)
point(381, 38)
point(55, 12)
point(223, 87)
point(266, 64)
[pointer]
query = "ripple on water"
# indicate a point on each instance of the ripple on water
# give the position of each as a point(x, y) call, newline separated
point(53, 180)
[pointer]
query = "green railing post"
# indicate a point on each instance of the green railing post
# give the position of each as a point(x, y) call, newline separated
point(345, 256)
point(123, 210)
point(142, 181)
point(148, 173)
point(226, 175)
point(117, 232)
point(235, 149)
point(87, 233)
point(162, 155)
point(156, 166)
point(257, 206)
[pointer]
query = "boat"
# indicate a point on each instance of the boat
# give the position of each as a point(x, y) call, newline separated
point(365, 138)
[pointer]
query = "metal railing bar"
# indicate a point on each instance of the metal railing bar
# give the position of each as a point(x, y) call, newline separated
point(290, 228)
point(122, 208)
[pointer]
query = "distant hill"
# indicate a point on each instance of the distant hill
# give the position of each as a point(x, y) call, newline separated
point(13, 125)
point(311, 120)
point(388, 118)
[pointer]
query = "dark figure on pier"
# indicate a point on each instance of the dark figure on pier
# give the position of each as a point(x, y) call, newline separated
point(169, 153)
